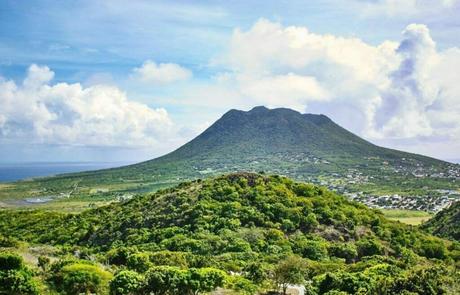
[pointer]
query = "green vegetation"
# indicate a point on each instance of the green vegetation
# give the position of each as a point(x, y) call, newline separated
point(446, 223)
point(290, 271)
point(246, 233)
point(71, 277)
point(15, 276)
point(304, 147)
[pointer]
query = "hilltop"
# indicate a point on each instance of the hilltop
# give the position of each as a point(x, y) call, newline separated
point(247, 223)
point(306, 147)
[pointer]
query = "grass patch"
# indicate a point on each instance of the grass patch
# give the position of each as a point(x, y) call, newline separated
point(411, 217)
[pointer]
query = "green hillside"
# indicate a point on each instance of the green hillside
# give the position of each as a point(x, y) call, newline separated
point(446, 223)
point(305, 147)
point(253, 231)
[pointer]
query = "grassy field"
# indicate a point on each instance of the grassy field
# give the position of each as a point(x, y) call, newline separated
point(407, 216)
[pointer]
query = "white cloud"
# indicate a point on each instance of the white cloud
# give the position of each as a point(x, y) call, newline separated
point(407, 89)
point(403, 112)
point(151, 72)
point(289, 89)
point(405, 7)
point(37, 76)
point(292, 67)
point(423, 98)
point(269, 47)
point(40, 112)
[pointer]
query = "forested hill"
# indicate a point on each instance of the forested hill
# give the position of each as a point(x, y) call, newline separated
point(247, 223)
point(446, 223)
point(204, 208)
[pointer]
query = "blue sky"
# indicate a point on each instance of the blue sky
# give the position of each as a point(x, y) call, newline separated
point(118, 80)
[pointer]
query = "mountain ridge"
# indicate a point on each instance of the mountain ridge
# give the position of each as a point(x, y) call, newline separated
point(285, 118)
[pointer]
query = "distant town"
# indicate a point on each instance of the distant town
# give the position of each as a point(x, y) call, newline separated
point(420, 203)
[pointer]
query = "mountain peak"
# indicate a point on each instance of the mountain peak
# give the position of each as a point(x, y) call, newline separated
point(262, 132)
point(314, 118)
point(259, 109)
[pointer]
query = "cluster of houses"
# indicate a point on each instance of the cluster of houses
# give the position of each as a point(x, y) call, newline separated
point(299, 158)
point(418, 170)
point(429, 203)
point(343, 182)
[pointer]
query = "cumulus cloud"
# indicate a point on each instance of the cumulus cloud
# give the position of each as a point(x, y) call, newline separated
point(293, 67)
point(163, 73)
point(290, 87)
point(404, 89)
point(403, 112)
point(37, 111)
point(423, 97)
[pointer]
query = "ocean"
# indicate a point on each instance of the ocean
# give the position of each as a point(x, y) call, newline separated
point(17, 171)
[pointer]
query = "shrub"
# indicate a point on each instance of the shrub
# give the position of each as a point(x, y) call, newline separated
point(178, 259)
point(432, 248)
point(126, 283)
point(172, 280)
point(347, 251)
point(79, 278)
point(10, 261)
point(119, 256)
point(290, 271)
point(139, 262)
point(241, 285)
point(15, 277)
point(369, 247)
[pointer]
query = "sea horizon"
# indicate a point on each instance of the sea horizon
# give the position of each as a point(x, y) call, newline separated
point(15, 171)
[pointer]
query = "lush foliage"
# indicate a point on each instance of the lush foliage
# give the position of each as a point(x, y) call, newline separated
point(127, 282)
point(76, 277)
point(446, 223)
point(245, 232)
point(15, 276)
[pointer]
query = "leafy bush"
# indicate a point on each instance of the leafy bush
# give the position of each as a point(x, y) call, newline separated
point(172, 280)
point(170, 258)
point(15, 277)
point(427, 281)
point(139, 262)
point(241, 285)
point(120, 255)
point(309, 248)
point(289, 271)
point(8, 242)
point(76, 278)
point(348, 251)
point(126, 283)
point(351, 283)
point(369, 247)
point(433, 248)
